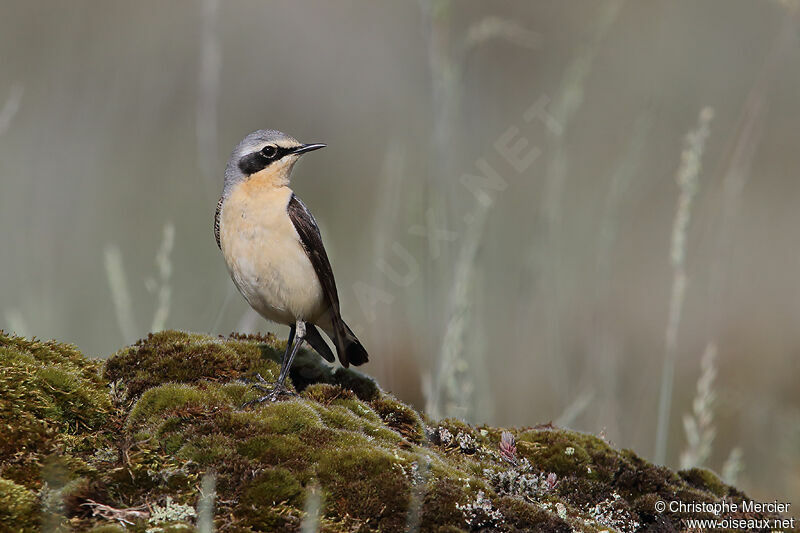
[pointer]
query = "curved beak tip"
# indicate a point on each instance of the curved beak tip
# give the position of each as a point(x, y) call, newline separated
point(303, 148)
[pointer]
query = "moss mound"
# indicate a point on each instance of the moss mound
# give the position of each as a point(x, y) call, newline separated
point(55, 413)
point(134, 445)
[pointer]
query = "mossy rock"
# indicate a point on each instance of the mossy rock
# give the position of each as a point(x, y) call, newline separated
point(18, 506)
point(188, 358)
point(53, 403)
point(706, 480)
point(126, 446)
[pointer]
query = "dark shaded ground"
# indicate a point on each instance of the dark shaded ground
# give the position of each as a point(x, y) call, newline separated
point(89, 445)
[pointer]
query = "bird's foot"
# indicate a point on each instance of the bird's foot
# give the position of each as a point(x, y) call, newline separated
point(273, 394)
point(258, 383)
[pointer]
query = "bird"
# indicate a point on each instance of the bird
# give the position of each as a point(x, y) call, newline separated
point(274, 253)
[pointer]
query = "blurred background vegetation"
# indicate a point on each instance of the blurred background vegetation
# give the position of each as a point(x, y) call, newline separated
point(653, 219)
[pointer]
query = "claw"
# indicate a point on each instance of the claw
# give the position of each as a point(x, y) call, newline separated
point(258, 383)
point(273, 394)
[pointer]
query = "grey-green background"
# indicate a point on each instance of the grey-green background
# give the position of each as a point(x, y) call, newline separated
point(551, 303)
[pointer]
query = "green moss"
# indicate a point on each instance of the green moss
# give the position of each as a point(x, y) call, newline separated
point(180, 357)
point(325, 393)
point(366, 484)
point(636, 477)
point(362, 385)
point(173, 414)
point(439, 504)
point(284, 417)
point(568, 453)
point(72, 403)
point(173, 397)
point(206, 450)
point(52, 399)
point(238, 393)
point(309, 369)
point(18, 508)
point(108, 528)
point(259, 517)
point(46, 381)
point(339, 417)
point(705, 479)
point(49, 352)
point(273, 486)
point(360, 409)
point(399, 417)
point(520, 516)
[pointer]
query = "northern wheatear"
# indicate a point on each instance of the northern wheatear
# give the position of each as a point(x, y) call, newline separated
point(274, 251)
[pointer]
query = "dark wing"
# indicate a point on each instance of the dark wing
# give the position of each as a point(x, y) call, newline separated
point(318, 343)
point(216, 221)
point(311, 240)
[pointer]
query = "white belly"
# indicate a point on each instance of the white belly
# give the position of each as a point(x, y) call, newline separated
point(265, 258)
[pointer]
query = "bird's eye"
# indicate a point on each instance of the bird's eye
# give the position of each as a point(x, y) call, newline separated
point(269, 151)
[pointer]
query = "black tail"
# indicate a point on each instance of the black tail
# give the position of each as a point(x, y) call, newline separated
point(354, 352)
point(315, 340)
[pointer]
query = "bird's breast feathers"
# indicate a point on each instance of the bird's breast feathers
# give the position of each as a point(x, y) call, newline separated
point(264, 254)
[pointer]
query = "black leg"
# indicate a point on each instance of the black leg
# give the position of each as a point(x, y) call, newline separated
point(287, 355)
point(287, 364)
point(262, 384)
point(297, 334)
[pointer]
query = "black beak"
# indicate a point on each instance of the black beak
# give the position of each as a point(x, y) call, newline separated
point(303, 148)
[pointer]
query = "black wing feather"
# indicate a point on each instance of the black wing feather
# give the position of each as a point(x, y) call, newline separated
point(318, 343)
point(311, 240)
point(216, 221)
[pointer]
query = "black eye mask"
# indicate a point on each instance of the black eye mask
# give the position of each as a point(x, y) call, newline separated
point(258, 161)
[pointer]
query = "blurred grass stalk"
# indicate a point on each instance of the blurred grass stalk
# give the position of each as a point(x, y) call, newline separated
point(456, 390)
point(687, 178)
point(575, 409)
point(604, 362)
point(733, 466)
point(699, 425)
point(208, 92)
point(120, 290)
point(11, 106)
point(14, 318)
point(736, 173)
point(16, 322)
point(162, 286)
point(566, 103)
point(419, 479)
point(386, 217)
point(205, 504)
point(120, 293)
point(313, 507)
